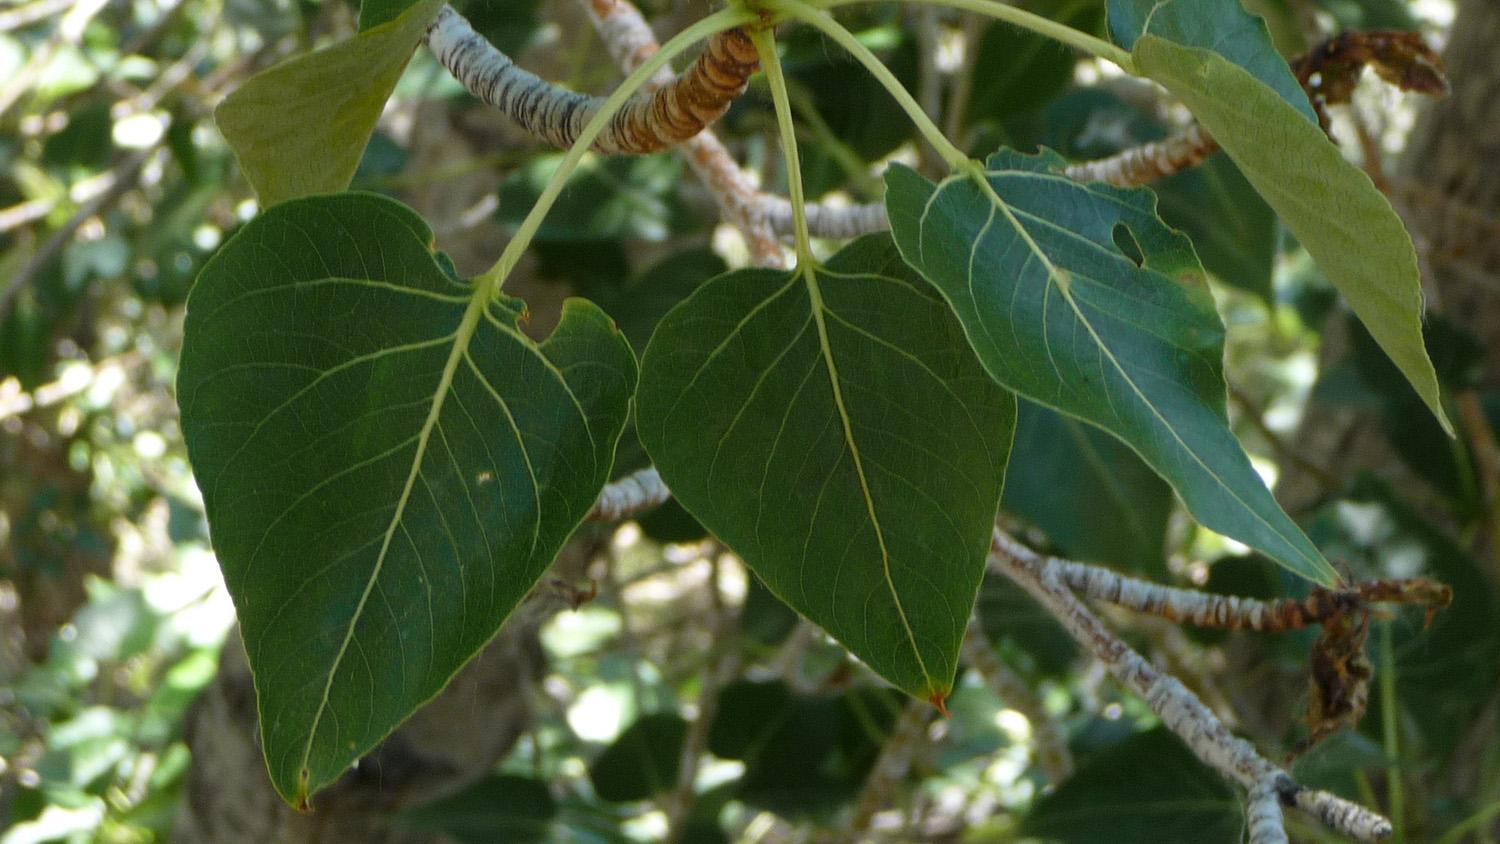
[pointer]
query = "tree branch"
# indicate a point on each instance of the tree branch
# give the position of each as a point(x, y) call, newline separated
point(1047, 579)
point(907, 737)
point(650, 122)
point(1179, 710)
point(1052, 753)
point(635, 493)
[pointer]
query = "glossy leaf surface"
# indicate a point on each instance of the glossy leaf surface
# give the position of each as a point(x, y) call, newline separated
point(300, 127)
point(1032, 264)
point(1332, 207)
point(832, 426)
point(388, 464)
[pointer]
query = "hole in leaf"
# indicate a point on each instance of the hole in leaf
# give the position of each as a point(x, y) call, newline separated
point(1125, 241)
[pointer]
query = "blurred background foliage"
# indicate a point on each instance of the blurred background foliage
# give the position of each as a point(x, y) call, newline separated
point(115, 187)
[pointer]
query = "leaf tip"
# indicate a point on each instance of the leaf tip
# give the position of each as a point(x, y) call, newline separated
point(303, 802)
point(939, 699)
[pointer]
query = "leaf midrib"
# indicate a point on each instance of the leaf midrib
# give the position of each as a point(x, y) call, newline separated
point(1064, 290)
point(475, 311)
point(815, 295)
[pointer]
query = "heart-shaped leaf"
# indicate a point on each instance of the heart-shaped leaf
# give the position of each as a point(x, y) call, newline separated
point(388, 464)
point(1036, 267)
point(299, 128)
point(1345, 222)
point(832, 426)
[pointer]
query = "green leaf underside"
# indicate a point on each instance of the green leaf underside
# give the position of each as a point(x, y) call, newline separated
point(1327, 202)
point(833, 427)
point(1059, 314)
point(1221, 26)
point(387, 465)
point(373, 13)
point(300, 127)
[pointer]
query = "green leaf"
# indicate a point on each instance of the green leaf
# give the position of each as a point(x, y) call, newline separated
point(1016, 70)
point(832, 426)
point(1033, 265)
point(643, 761)
point(516, 810)
point(1332, 207)
point(1148, 789)
point(1219, 26)
point(387, 463)
point(373, 13)
point(1095, 499)
point(803, 754)
point(300, 128)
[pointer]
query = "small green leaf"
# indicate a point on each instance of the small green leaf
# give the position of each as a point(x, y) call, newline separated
point(300, 128)
point(643, 761)
point(1220, 26)
point(832, 426)
point(1059, 312)
point(1332, 207)
point(387, 463)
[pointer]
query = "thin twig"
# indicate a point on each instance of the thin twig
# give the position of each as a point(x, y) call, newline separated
point(1231, 612)
point(723, 666)
point(1180, 711)
point(1052, 753)
point(1149, 162)
point(1263, 814)
point(30, 13)
point(907, 737)
point(69, 30)
point(649, 122)
point(635, 493)
point(126, 175)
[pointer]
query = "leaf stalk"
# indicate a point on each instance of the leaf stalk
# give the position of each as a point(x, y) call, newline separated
point(1032, 21)
point(821, 20)
point(489, 283)
point(770, 62)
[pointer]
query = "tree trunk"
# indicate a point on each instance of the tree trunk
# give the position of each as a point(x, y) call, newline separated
point(451, 742)
point(1447, 184)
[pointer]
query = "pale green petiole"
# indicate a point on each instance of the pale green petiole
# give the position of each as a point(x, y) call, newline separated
point(490, 281)
point(1025, 20)
point(765, 43)
point(821, 20)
